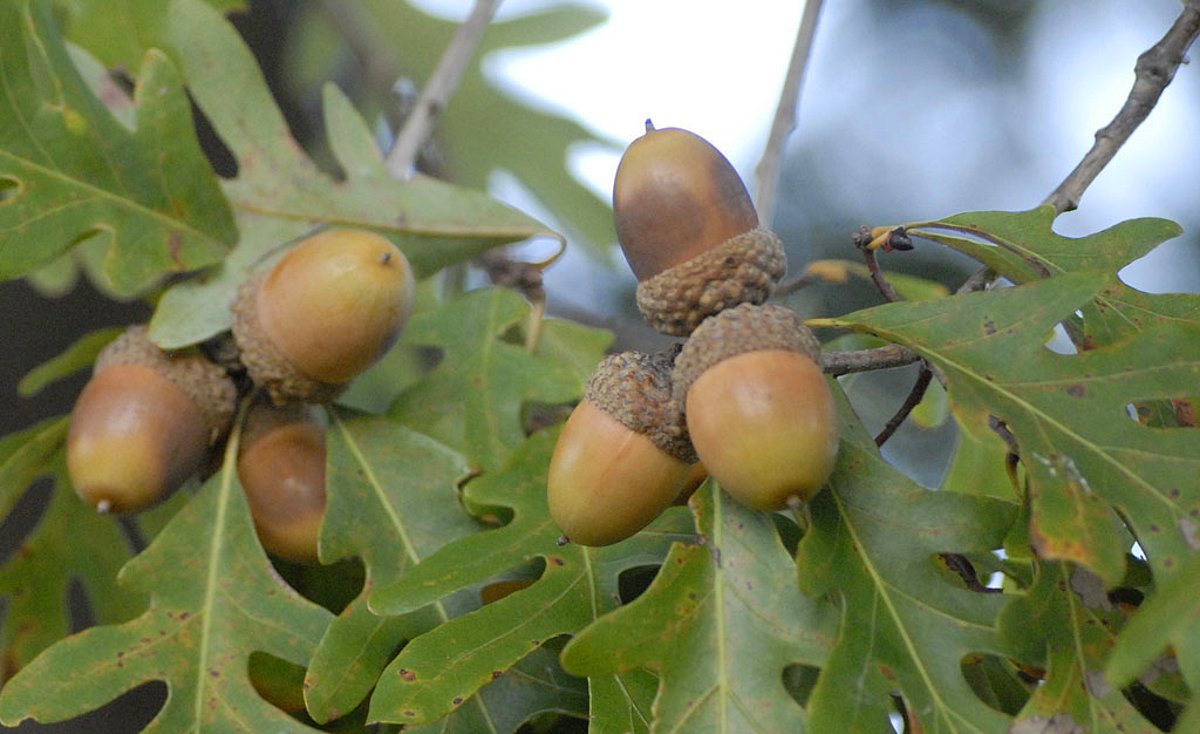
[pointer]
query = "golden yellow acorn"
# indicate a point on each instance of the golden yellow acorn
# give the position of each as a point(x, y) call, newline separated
point(760, 414)
point(623, 456)
point(328, 309)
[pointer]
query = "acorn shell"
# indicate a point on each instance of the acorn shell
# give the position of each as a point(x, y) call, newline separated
point(331, 307)
point(144, 422)
point(266, 366)
point(281, 465)
point(676, 196)
point(743, 269)
point(757, 405)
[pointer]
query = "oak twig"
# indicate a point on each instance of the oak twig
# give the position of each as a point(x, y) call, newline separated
point(865, 360)
point(881, 284)
point(1154, 70)
point(915, 396)
point(438, 90)
point(767, 171)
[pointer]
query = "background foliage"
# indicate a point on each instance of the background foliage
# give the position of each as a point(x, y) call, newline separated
point(1006, 594)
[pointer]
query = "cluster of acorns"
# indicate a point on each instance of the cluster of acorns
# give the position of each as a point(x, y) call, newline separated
point(148, 420)
point(744, 399)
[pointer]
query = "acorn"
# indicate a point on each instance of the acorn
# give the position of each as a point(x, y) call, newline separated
point(757, 407)
point(689, 231)
point(623, 455)
point(281, 465)
point(144, 422)
point(331, 307)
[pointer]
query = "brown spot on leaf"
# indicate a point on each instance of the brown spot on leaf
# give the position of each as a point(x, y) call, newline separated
point(407, 675)
point(557, 561)
point(496, 674)
point(1077, 391)
point(457, 701)
point(989, 327)
point(176, 244)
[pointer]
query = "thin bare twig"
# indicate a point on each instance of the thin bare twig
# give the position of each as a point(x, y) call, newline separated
point(438, 90)
point(881, 284)
point(767, 171)
point(1153, 71)
point(915, 396)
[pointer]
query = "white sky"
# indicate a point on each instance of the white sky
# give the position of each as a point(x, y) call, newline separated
point(716, 68)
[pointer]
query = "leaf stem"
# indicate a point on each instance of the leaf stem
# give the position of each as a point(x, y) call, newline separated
point(767, 171)
point(1154, 70)
point(436, 94)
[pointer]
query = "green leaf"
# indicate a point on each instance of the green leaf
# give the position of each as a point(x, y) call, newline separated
point(1062, 626)
point(519, 139)
point(1069, 413)
point(1168, 617)
point(391, 501)
point(214, 600)
point(118, 31)
point(70, 171)
point(1022, 247)
point(907, 624)
point(440, 670)
point(472, 400)
point(279, 194)
point(35, 581)
point(717, 625)
point(79, 356)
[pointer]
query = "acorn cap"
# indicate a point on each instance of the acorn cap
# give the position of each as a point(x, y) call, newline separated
point(745, 328)
point(265, 364)
point(635, 388)
point(206, 384)
point(743, 269)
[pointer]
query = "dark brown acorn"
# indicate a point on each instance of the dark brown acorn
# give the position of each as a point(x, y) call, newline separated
point(689, 231)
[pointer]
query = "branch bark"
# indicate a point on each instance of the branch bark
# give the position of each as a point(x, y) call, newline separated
point(1154, 70)
point(438, 90)
point(767, 171)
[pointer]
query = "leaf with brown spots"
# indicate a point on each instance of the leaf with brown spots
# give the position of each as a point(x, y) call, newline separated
point(70, 171)
point(876, 545)
point(1069, 413)
point(35, 581)
point(1068, 634)
point(214, 601)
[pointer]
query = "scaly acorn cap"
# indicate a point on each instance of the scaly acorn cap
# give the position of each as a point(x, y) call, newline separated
point(745, 328)
point(265, 364)
point(635, 388)
point(205, 383)
point(743, 269)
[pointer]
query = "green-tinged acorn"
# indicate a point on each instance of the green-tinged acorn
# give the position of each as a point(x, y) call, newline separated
point(144, 422)
point(623, 455)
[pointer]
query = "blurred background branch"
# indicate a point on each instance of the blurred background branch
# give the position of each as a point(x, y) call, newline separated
point(1153, 71)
